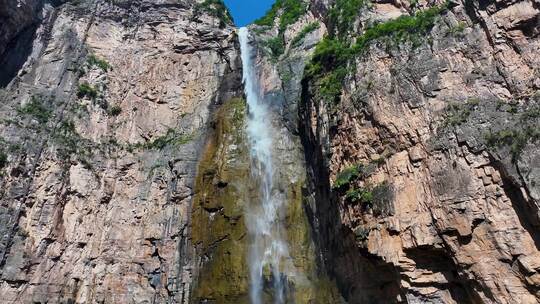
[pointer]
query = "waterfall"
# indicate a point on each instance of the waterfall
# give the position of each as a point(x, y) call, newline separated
point(264, 217)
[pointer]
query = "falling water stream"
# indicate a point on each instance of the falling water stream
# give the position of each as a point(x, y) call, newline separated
point(268, 248)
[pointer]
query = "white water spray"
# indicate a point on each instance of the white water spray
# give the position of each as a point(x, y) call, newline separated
point(268, 248)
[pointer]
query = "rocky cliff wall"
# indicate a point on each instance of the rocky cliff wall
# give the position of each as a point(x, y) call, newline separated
point(422, 131)
point(409, 127)
point(103, 118)
point(419, 123)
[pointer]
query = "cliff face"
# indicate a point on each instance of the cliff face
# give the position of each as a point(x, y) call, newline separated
point(103, 118)
point(428, 150)
point(408, 150)
point(420, 138)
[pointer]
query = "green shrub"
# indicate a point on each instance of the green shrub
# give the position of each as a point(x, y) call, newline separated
point(297, 41)
point(86, 90)
point(456, 114)
point(458, 29)
point(67, 139)
point(292, 10)
point(276, 46)
point(3, 159)
point(329, 54)
point(217, 9)
point(14, 147)
point(516, 140)
point(401, 28)
point(330, 85)
point(328, 67)
point(100, 63)
point(513, 109)
point(378, 198)
point(350, 174)
point(346, 176)
point(343, 14)
point(286, 76)
point(359, 195)
point(36, 109)
point(115, 110)
point(531, 113)
point(172, 137)
point(69, 144)
point(361, 234)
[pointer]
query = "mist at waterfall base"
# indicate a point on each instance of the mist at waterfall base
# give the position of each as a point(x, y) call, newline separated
point(268, 248)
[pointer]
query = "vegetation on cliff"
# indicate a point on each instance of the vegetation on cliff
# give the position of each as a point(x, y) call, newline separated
point(3, 159)
point(289, 12)
point(36, 109)
point(342, 16)
point(375, 197)
point(93, 60)
point(513, 124)
point(515, 138)
point(297, 40)
point(217, 9)
point(330, 62)
point(86, 90)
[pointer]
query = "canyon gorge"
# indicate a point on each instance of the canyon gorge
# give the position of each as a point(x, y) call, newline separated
point(334, 151)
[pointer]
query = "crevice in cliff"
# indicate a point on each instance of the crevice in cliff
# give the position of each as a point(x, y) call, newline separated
point(16, 54)
point(438, 261)
point(526, 213)
point(472, 288)
point(23, 22)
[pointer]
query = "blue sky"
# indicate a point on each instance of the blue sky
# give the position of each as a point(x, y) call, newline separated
point(246, 11)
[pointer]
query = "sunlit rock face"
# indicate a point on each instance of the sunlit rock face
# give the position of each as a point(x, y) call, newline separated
point(103, 121)
point(428, 152)
point(404, 147)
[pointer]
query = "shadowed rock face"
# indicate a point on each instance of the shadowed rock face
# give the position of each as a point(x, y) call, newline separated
point(15, 18)
point(18, 23)
point(123, 162)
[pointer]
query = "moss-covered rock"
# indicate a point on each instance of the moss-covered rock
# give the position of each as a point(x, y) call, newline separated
point(224, 188)
point(218, 229)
